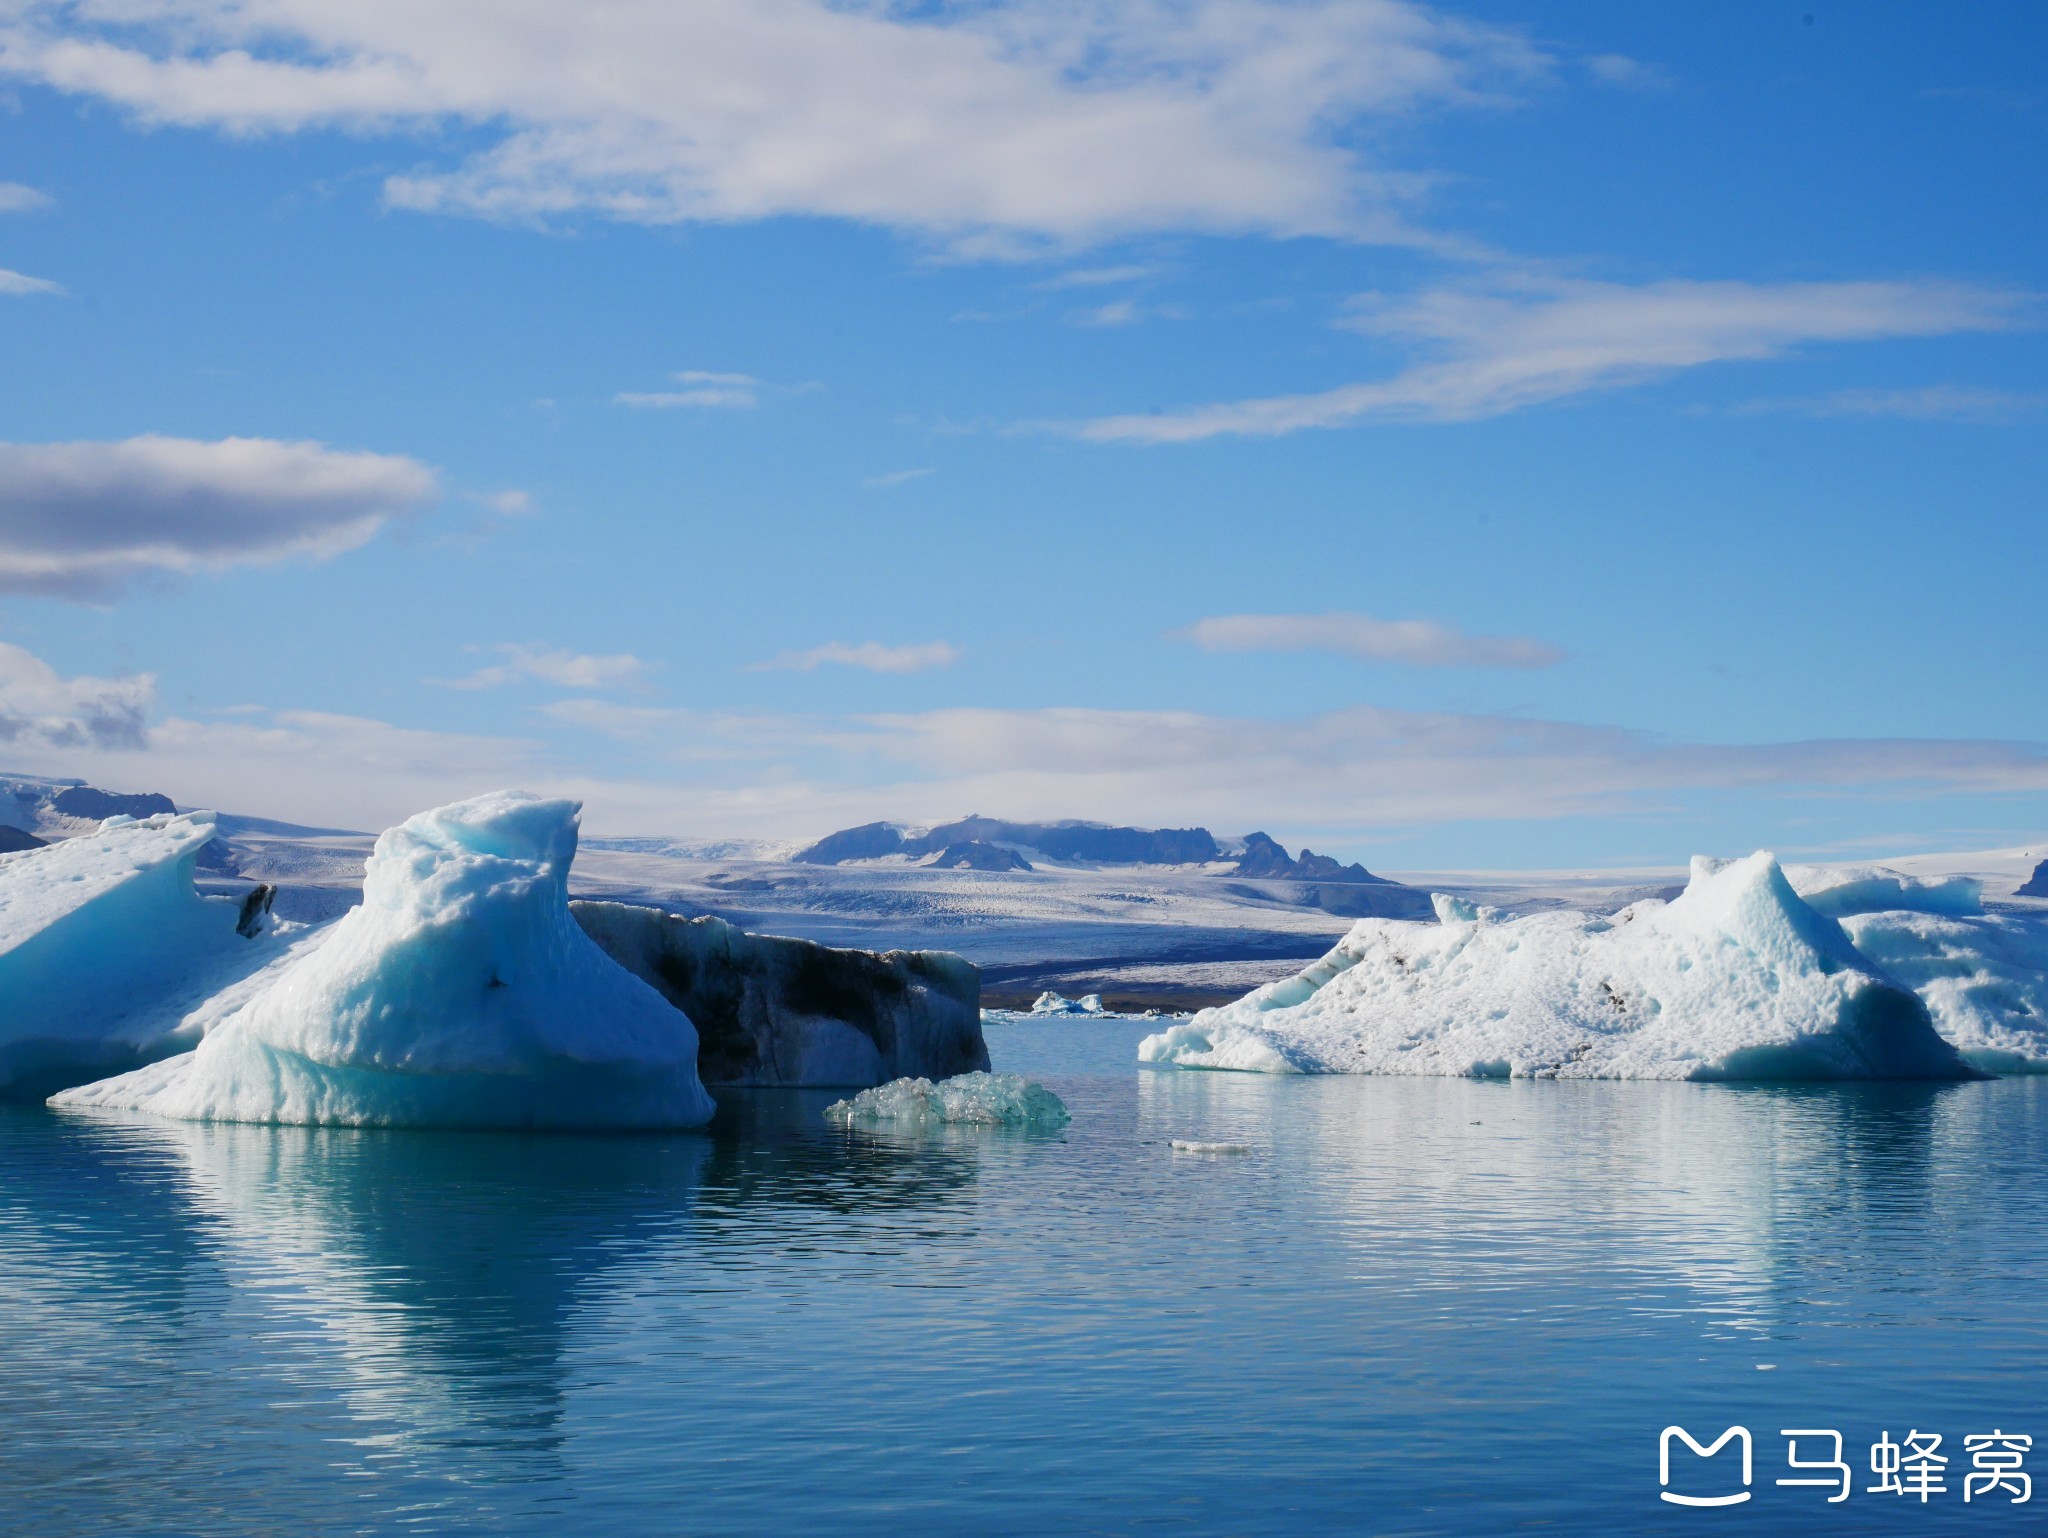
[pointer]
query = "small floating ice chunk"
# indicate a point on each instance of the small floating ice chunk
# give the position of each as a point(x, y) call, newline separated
point(1190, 1145)
point(969, 1099)
point(1050, 1003)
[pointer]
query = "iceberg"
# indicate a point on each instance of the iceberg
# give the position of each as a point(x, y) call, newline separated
point(1737, 978)
point(1983, 976)
point(111, 958)
point(774, 1011)
point(1841, 890)
point(969, 1099)
point(1050, 1003)
point(459, 994)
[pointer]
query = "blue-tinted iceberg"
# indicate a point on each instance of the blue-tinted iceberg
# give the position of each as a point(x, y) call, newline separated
point(969, 1099)
point(1050, 1003)
point(459, 994)
point(1983, 977)
point(1841, 890)
point(111, 958)
point(1737, 978)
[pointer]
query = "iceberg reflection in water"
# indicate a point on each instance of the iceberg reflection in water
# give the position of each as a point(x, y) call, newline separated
point(1425, 1305)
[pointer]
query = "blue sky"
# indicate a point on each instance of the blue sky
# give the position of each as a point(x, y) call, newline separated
point(1497, 435)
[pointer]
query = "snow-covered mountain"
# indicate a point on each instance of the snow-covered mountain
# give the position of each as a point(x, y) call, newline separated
point(1141, 930)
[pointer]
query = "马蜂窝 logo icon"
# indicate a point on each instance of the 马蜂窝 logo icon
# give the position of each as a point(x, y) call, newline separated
point(1733, 1433)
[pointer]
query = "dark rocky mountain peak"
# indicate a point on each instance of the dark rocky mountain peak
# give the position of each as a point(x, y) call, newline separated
point(85, 801)
point(870, 841)
point(1086, 841)
point(1266, 860)
point(2037, 884)
point(973, 854)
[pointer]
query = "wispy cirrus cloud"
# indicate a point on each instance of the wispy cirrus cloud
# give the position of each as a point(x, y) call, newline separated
point(82, 520)
point(1039, 120)
point(1121, 312)
point(12, 282)
point(40, 708)
point(1097, 277)
point(1484, 352)
point(702, 389)
point(542, 664)
point(872, 656)
point(18, 199)
point(1418, 642)
point(898, 477)
point(1930, 403)
point(1630, 74)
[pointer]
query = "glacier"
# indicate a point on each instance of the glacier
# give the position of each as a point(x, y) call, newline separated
point(968, 1099)
point(1736, 978)
point(111, 958)
point(460, 993)
point(772, 1011)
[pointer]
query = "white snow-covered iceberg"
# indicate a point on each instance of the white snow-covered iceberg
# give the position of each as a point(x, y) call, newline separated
point(1983, 976)
point(1737, 978)
point(1841, 890)
point(968, 1099)
point(1050, 1003)
point(110, 957)
point(459, 994)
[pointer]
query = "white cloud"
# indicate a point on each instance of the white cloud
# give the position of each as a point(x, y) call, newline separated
point(82, 519)
point(1058, 120)
point(17, 199)
point(1631, 74)
point(308, 766)
point(1350, 772)
point(1356, 769)
point(1931, 403)
point(705, 390)
point(540, 664)
point(1118, 312)
point(872, 655)
point(12, 282)
point(1421, 642)
point(511, 503)
point(41, 709)
point(1097, 277)
point(1491, 351)
point(898, 477)
point(708, 397)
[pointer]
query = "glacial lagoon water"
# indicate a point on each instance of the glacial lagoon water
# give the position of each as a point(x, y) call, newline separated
point(1414, 1306)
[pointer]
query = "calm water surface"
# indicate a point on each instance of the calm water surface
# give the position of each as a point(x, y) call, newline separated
point(1418, 1306)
